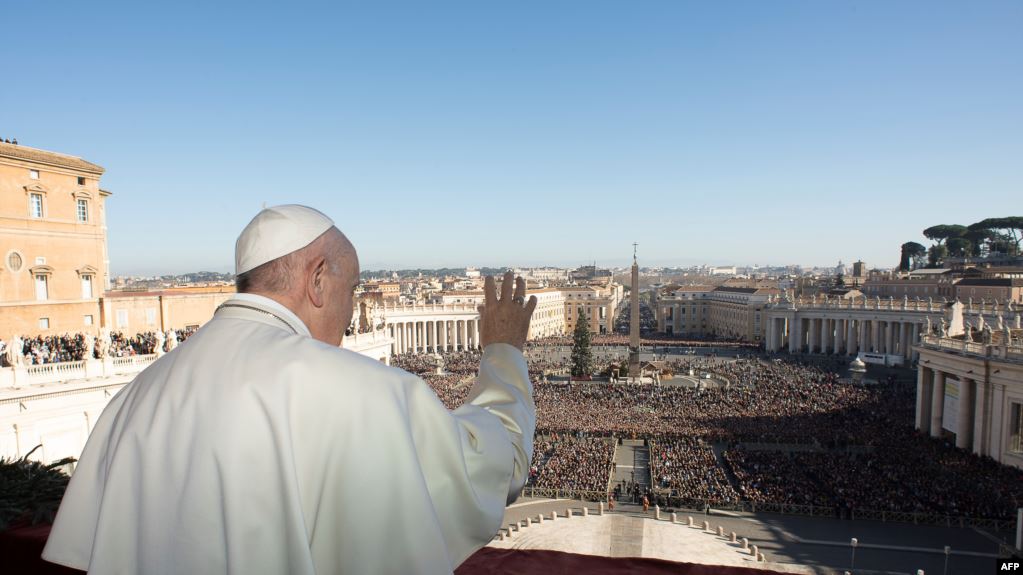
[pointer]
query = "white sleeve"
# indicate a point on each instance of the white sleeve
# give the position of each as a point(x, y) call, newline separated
point(504, 390)
point(475, 459)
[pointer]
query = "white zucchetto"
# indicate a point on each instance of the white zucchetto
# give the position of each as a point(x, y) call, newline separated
point(276, 232)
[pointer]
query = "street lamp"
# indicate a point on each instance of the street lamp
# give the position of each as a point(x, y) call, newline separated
point(852, 562)
point(948, 550)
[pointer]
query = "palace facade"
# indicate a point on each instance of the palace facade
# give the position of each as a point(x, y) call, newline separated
point(53, 240)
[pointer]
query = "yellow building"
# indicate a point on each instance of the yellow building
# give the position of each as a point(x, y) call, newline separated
point(53, 242)
point(134, 312)
point(733, 313)
point(598, 300)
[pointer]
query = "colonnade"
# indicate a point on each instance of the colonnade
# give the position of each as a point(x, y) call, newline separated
point(434, 335)
point(930, 406)
point(843, 335)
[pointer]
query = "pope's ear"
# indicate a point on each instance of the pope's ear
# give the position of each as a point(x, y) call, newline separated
point(316, 286)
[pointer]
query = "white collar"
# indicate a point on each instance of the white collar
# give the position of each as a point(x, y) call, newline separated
point(278, 308)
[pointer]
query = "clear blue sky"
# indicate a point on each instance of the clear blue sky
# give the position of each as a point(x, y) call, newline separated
point(530, 133)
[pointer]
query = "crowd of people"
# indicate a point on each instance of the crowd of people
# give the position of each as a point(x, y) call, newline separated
point(688, 469)
point(916, 475)
point(40, 349)
point(617, 339)
point(792, 432)
point(457, 372)
point(570, 462)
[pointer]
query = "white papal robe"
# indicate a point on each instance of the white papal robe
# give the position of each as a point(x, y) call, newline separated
point(253, 448)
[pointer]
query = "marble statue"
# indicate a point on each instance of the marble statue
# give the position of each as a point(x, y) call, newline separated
point(103, 343)
point(14, 356)
point(158, 345)
point(90, 346)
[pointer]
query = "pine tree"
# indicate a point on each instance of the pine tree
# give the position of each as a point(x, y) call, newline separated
point(582, 356)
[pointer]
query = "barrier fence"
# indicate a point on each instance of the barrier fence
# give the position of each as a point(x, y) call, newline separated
point(705, 505)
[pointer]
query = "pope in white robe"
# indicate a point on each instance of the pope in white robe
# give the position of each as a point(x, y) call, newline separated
point(255, 447)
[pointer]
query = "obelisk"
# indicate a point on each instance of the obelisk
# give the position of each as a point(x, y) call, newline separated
point(634, 318)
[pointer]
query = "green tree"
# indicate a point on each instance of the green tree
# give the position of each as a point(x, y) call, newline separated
point(936, 254)
point(1009, 230)
point(942, 232)
point(911, 253)
point(959, 247)
point(979, 239)
point(582, 355)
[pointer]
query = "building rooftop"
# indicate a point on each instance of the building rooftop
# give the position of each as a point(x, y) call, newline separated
point(25, 153)
point(993, 282)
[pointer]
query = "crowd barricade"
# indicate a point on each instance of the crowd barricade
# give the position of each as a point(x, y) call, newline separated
point(703, 505)
point(551, 493)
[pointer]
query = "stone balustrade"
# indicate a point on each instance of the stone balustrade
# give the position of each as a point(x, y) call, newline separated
point(893, 304)
point(47, 373)
point(1011, 350)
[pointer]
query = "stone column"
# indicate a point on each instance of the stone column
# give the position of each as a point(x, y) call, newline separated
point(779, 333)
point(913, 340)
point(798, 337)
point(904, 341)
point(850, 336)
point(812, 339)
point(889, 337)
point(875, 335)
point(981, 397)
point(937, 403)
point(861, 340)
point(964, 426)
point(446, 338)
point(924, 387)
point(827, 325)
point(793, 334)
point(839, 336)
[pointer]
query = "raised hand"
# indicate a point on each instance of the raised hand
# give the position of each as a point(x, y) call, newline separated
point(505, 320)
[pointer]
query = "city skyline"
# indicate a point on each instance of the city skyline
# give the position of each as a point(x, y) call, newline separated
point(444, 136)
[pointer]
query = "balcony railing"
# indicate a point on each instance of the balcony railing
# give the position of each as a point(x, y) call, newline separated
point(46, 373)
point(1011, 351)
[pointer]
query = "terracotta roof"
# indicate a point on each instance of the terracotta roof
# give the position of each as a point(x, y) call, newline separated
point(19, 152)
